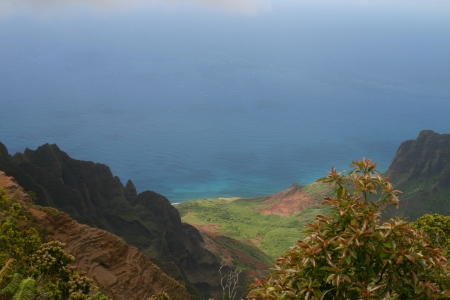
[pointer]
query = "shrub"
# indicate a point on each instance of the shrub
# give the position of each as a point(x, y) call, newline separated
point(437, 227)
point(352, 254)
point(32, 270)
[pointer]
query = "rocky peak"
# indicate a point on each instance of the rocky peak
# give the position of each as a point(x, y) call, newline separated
point(3, 150)
point(427, 155)
point(421, 169)
point(131, 189)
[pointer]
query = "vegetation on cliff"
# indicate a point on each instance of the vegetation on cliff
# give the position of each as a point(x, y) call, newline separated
point(30, 269)
point(352, 254)
point(121, 270)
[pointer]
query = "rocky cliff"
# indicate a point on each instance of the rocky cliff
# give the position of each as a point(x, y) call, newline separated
point(421, 169)
point(122, 271)
point(90, 194)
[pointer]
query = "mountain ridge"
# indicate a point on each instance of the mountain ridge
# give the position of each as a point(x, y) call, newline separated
point(121, 271)
point(421, 170)
point(93, 196)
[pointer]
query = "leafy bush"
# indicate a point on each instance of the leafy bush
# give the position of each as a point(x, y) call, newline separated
point(17, 243)
point(352, 254)
point(32, 270)
point(51, 260)
point(437, 227)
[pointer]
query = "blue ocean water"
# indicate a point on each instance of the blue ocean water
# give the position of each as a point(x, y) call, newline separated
point(226, 99)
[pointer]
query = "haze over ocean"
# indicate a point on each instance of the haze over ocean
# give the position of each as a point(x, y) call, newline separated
point(220, 98)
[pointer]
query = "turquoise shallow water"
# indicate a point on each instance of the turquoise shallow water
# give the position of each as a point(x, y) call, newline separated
point(199, 103)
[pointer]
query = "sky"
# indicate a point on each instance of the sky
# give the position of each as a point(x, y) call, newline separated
point(244, 7)
point(240, 7)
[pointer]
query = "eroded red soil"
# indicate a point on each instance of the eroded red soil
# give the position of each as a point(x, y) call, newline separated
point(287, 202)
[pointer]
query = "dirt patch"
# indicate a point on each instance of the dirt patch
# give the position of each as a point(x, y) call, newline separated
point(287, 202)
point(256, 240)
point(208, 228)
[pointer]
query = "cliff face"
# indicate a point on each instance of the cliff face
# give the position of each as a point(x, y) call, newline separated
point(90, 194)
point(421, 169)
point(122, 271)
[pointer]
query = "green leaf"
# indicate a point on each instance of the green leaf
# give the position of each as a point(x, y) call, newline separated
point(13, 285)
point(26, 290)
point(422, 263)
point(348, 260)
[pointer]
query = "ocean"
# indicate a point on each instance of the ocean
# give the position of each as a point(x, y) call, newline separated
point(222, 98)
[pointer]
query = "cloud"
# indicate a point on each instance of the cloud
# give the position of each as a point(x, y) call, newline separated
point(245, 7)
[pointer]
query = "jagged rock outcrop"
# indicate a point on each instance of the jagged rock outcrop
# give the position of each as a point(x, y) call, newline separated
point(90, 194)
point(421, 169)
point(122, 271)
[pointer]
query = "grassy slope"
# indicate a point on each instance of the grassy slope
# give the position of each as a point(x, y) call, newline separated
point(240, 220)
